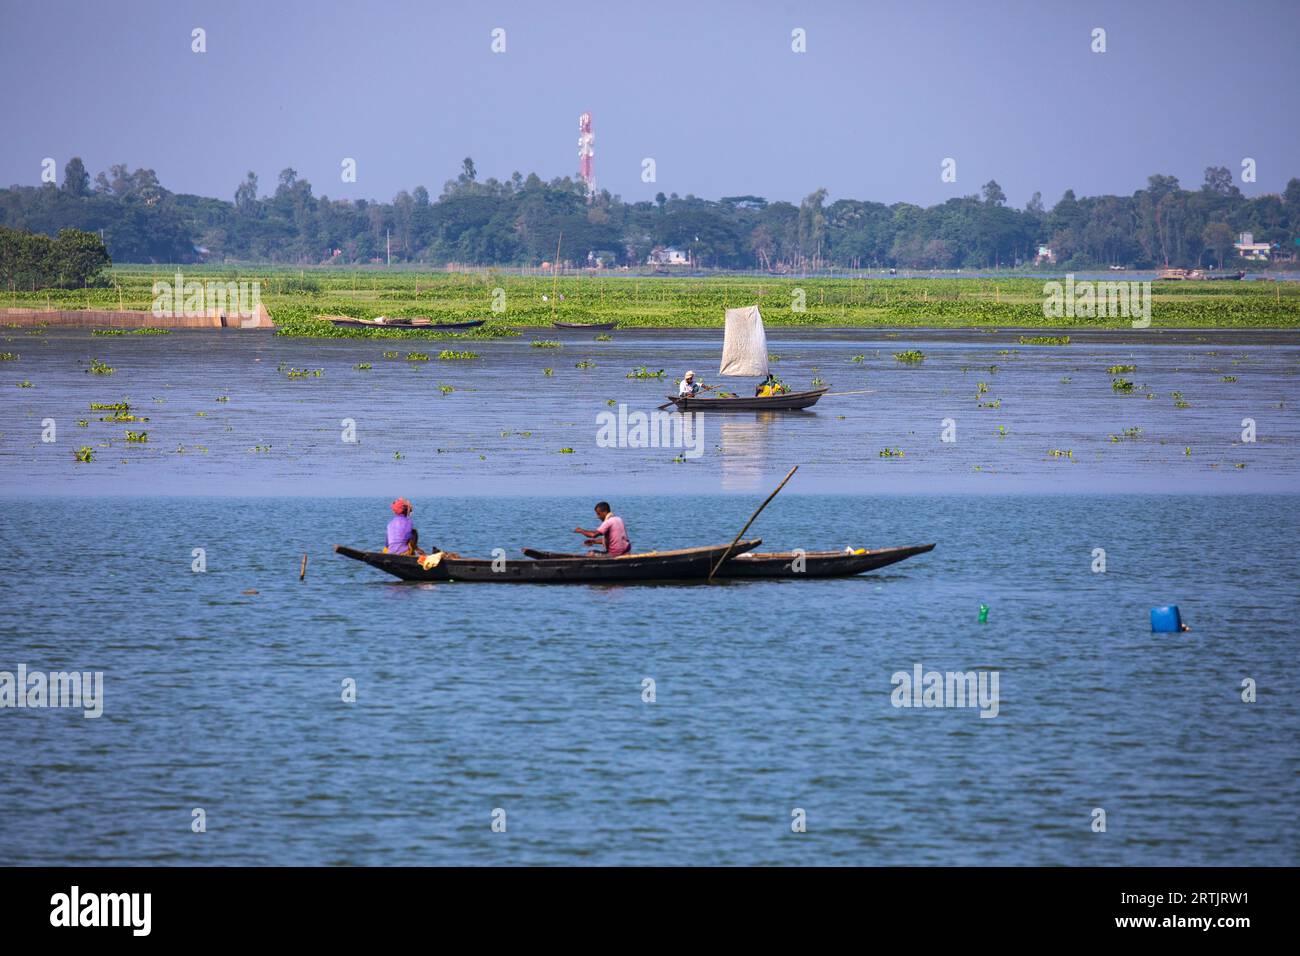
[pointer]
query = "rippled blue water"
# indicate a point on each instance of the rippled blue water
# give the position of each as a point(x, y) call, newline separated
point(770, 696)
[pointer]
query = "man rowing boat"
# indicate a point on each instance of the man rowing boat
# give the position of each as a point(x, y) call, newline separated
point(402, 536)
point(690, 387)
point(611, 529)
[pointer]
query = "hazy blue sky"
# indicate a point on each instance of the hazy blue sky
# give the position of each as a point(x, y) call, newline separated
point(710, 90)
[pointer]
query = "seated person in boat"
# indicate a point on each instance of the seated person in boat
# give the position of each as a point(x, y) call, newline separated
point(402, 536)
point(769, 386)
point(689, 387)
point(611, 529)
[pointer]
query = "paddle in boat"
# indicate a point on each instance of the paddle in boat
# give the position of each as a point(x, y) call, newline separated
point(744, 353)
point(685, 564)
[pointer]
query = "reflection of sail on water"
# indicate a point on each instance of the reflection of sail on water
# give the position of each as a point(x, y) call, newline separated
point(746, 451)
point(744, 344)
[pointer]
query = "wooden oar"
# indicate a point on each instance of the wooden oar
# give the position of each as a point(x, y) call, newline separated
point(726, 554)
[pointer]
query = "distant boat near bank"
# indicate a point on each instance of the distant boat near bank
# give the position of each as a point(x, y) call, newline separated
point(593, 326)
point(383, 322)
point(1199, 275)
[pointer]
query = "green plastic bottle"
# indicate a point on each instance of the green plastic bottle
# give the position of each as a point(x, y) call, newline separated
point(984, 613)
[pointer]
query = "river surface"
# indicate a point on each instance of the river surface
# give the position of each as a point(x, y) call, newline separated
point(224, 417)
point(223, 688)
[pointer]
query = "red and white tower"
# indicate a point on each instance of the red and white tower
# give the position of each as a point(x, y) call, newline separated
point(587, 154)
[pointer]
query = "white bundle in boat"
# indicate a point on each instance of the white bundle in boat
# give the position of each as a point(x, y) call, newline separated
point(744, 344)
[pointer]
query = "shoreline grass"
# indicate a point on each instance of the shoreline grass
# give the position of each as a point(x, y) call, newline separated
point(670, 302)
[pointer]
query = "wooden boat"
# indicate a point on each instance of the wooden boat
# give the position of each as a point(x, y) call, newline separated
point(744, 353)
point(816, 564)
point(786, 401)
point(593, 326)
point(345, 322)
point(685, 564)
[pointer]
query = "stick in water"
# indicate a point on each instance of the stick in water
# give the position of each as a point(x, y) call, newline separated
point(302, 572)
point(726, 554)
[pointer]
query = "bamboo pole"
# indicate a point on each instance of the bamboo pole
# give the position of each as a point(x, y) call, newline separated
point(726, 554)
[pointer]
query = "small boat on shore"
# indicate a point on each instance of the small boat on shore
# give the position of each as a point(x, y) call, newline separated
point(591, 326)
point(346, 322)
point(685, 564)
point(787, 564)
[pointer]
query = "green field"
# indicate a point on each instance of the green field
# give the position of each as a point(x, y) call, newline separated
point(294, 297)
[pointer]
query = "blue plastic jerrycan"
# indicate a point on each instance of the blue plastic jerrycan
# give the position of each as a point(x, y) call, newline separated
point(1166, 620)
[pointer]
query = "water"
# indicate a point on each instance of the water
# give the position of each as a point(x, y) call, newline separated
point(770, 696)
point(503, 428)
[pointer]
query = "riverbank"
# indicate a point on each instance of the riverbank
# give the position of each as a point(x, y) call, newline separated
point(507, 301)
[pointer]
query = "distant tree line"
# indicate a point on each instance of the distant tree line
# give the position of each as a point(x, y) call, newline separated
point(519, 220)
point(35, 261)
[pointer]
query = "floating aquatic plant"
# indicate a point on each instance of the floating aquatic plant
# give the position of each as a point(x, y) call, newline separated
point(891, 453)
point(548, 372)
point(417, 357)
point(25, 384)
point(544, 344)
point(1119, 369)
point(363, 366)
point(604, 338)
point(858, 359)
point(450, 355)
point(566, 451)
point(85, 453)
point(100, 368)
point(1044, 340)
point(1121, 385)
point(585, 364)
point(9, 356)
point(910, 357)
point(642, 371)
point(138, 438)
point(446, 389)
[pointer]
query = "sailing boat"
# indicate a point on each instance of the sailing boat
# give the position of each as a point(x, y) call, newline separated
point(744, 353)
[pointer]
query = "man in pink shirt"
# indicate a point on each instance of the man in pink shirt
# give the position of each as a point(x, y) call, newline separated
point(611, 529)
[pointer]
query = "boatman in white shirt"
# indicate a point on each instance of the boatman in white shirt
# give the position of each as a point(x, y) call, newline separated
point(689, 387)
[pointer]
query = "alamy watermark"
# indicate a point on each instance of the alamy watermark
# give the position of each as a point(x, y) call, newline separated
point(1098, 300)
point(37, 689)
point(656, 429)
point(922, 688)
point(194, 299)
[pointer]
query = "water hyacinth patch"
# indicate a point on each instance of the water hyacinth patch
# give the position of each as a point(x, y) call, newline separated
point(1044, 340)
point(642, 371)
point(450, 355)
point(910, 357)
point(1120, 369)
point(100, 368)
point(585, 364)
point(891, 453)
point(9, 356)
point(544, 344)
point(138, 438)
point(85, 453)
point(1121, 385)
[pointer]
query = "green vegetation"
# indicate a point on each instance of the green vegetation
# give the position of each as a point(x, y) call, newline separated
point(32, 260)
point(1121, 385)
point(515, 222)
point(9, 356)
point(544, 344)
point(642, 372)
point(138, 438)
point(891, 453)
point(449, 355)
point(1120, 369)
point(85, 453)
point(910, 357)
point(1044, 340)
point(99, 368)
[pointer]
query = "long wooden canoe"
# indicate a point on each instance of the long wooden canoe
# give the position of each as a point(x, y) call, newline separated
point(783, 564)
point(403, 323)
point(685, 564)
point(784, 402)
point(594, 326)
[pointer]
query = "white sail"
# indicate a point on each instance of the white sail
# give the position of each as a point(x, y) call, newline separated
point(744, 344)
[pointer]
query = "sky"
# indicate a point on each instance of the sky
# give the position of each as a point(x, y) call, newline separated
point(710, 90)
